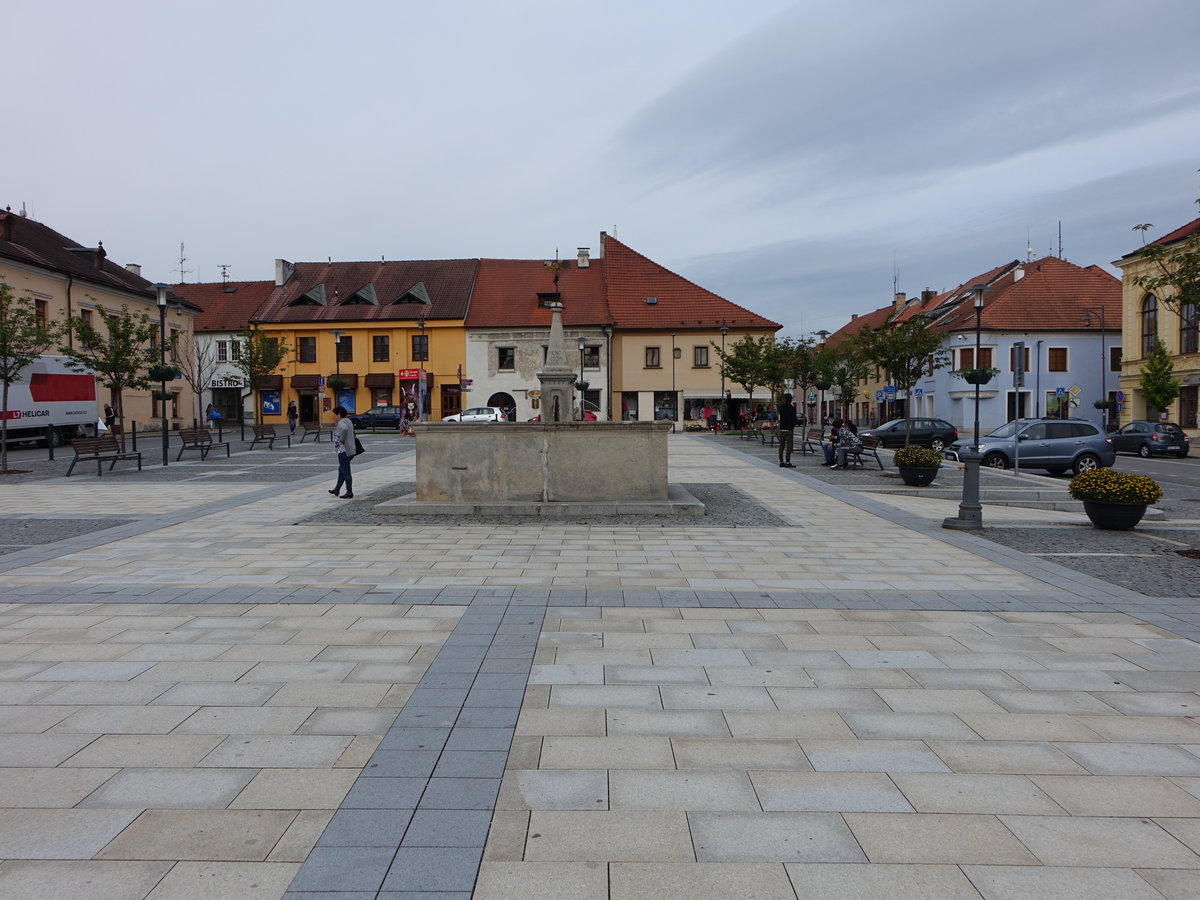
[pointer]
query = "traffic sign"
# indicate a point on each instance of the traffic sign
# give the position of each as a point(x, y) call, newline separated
point(321, 382)
point(1120, 396)
point(1076, 390)
point(1059, 391)
point(879, 395)
point(890, 390)
point(919, 392)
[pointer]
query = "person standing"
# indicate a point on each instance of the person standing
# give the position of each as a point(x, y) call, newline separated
point(343, 445)
point(110, 417)
point(787, 431)
point(293, 416)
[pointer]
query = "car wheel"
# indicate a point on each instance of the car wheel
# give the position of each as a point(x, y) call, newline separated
point(1056, 470)
point(1182, 454)
point(1144, 451)
point(1086, 463)
point(994, 460)
point(937, 444)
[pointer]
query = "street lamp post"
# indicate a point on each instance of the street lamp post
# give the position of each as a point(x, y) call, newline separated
point(161, 289)
point(724, 407)
point(970, 510)
point(582, 343)
point(1088, 314)
point(337, 361)
point(424, 357)
point(823, 383)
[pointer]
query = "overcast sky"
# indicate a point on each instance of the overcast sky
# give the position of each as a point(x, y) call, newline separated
point(795, 157)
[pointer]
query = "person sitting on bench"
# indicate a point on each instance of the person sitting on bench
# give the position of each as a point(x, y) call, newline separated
point(846, 439)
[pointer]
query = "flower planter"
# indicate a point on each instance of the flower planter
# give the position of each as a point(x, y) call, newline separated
point(977, 377)
point(1114, 516)
point(917, 477)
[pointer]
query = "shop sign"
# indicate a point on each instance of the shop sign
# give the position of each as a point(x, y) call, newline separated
point(226, 383)
point(410, 374)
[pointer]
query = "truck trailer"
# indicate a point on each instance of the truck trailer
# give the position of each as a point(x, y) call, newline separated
point(50, 395)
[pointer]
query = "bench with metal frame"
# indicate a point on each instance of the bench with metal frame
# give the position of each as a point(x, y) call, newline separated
point(199, 439)
point(869, 445)
point(101, 449)
point(316, 429)
point(266, 434)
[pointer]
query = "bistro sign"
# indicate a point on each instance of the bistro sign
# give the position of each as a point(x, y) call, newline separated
point(226, 383)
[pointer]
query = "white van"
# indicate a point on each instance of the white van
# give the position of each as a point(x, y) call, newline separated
point(51, 395)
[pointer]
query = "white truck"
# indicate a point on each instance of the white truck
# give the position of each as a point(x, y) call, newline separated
point(50, 395)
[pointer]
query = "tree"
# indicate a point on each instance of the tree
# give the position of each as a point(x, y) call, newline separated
point(1174, 271)
point(843, 365)
point(119, 353)
point(750, 362)
point(23, 338)
point(261, 355)
point(906, 352)
point(1160, 387)
point(799, 362)
point(197, 364)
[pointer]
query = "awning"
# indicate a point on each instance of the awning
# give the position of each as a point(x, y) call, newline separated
point(351, 380)
point(271, 383)
point(380, 380)
point(305, 382)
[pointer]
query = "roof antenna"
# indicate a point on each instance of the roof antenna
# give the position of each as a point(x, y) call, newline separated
point(224, 267)
point(1060, 256)
point(183, 273)
point(1028, 247)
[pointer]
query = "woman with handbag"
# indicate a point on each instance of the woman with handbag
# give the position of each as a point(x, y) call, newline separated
point(344, 444)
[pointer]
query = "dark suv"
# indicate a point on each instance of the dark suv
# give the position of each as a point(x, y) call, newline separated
point(379, 417)
point(1051, 444)
point(1148, 438)
point(934, 433)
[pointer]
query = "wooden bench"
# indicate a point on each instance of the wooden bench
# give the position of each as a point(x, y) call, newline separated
point(316, 429)
point(869, 445)
point(199, 439)
point(813, 439)
point(101, 449)
point(266, 434)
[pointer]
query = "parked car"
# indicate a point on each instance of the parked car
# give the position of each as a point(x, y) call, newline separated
point(934, 433)
point(1051, 444)
point(479, 414)
point(1148, 438)
point(588, 416)
point(379, 417)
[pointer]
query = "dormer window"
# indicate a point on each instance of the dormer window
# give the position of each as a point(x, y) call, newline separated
point(651, 301)
point(415, 294)
point(547, 299)
point(364, 296)
point(314, 296)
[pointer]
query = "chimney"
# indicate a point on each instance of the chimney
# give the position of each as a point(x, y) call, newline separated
point(1018, 274)
point(927, 295)
point(6, 224)
point(99, 254)
point(583, 257)
point(899, 304)
point(134, 268)
point(283, 272)
point(603, 236)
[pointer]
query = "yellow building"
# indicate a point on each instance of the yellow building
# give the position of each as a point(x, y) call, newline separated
point(1145, 317)
point(67, 280)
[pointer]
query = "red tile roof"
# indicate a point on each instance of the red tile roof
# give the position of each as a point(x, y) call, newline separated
point(448, 283)
point(1192, 227)
point(25, 241)
point(506, 293)
point(631, 278)
point(227, 306)
point(873, 319)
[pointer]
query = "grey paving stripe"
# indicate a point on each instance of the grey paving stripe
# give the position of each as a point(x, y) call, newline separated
point(416, 819)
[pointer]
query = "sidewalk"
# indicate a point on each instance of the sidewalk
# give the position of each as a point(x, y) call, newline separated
point(211, 700)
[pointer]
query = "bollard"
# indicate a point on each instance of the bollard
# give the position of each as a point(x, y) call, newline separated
point(134, 433)
point(50, 441)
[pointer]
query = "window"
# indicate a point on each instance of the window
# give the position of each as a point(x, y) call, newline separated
point(222, 351)
point(547, 299)
point(420, 348)
point(653, 358)
point(174, 345)
point(86, 315)
point(41, 309)
point(1149, 323)
point(985, 357)
point(700, 357)
point(1012, 359)
point(1188, 328)
point(306, 349)
point(591, 357)
point(235, 350)
point(1056, 359)
point(381, 349)
point(345, 348)
point(506, 358)
point(966, 358)
point(1114, 359)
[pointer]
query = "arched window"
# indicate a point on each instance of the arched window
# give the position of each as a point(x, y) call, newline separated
point(1149, 323)
point(1189, 335)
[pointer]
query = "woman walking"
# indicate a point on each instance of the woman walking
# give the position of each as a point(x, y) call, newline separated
point(293, 416)
point(343, 445)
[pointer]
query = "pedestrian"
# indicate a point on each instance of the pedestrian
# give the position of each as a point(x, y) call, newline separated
point(787, 431)
point(293, 416)
point(212, 414)
point(827, 447)
point(110, 417)
point(343, 445)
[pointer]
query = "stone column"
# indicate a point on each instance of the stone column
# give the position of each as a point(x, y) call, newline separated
point(557, 378)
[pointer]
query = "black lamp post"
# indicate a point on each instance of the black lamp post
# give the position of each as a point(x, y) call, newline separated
point(1088, 314)
point(424, 356)
point(970, 510)
point(161, 289)
point(824, 382)
point(724, 408)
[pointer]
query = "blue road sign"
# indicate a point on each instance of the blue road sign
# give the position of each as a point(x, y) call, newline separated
point(879, 395)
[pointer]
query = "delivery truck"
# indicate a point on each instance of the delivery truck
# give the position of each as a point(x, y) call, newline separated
point(51, 395)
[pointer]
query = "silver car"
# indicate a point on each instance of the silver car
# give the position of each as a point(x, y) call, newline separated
point(479, 414)
point(1051, 444)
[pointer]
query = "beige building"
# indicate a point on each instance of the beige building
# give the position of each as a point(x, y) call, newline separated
point(1146, 316)
point(66, 279)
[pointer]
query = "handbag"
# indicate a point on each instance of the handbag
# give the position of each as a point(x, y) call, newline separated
point(358, 447)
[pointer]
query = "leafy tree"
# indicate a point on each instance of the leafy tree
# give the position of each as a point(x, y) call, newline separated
point(799, 363)
point(1174, 271)
point(906, 352)
point(751, 362)
point(843, 365)
point(23, 338)
point(1160, 387)
point(119, 353)
point(261, 355)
